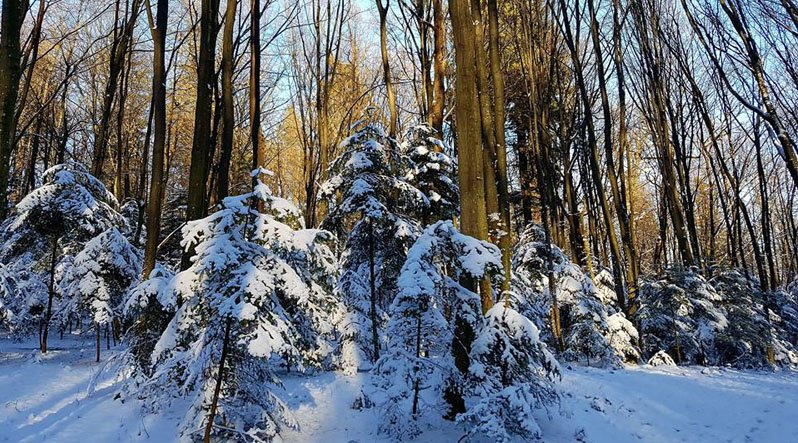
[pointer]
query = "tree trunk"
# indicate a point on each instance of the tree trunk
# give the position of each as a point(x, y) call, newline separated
point(473, 215)
point(50, 296)
point(386, 67)
point(159, 137)
point(593, 160)
point(375, 336)
point(13, 14)
point(765, 211)
point(439, 66)
point(119, 50)
point(505, 240)
point(228, 122)
point(197, 205)
point(219, 380)
point(97, 342)
point(254, 87)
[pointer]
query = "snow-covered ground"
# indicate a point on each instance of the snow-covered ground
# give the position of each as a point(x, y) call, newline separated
point(47, 398)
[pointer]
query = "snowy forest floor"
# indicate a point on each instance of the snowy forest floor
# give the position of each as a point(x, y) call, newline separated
point(46, 398)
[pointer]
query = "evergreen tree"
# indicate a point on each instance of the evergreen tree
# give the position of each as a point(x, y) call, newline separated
point(371, 205)
point(754, 329)
point(419, 358)
point(512, 375)
point(97, 278)
point(45, 231)
point(255, 300)
point(433, 171)
point(590, 337)
point(679, 315)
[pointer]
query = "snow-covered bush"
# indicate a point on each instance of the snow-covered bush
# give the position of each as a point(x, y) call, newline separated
point(661, 358)
point(371, 206)
point(623, 335)
point(256, 300)
point(785, 303)
point(39, 240)
point(434, 172)
point(512, 376)
point(418, 367)
point(589, 337)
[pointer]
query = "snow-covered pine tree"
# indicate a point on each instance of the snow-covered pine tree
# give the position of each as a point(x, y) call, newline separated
point(512, 376)
point(754, 329)
point(680, 314)
point(417, 367)
point(256, 300)
point(785, 303)
point(8, 294)
point(433, 171)
point(43, 234)
point(371, 206)
point(588, 335)
point(96, 280)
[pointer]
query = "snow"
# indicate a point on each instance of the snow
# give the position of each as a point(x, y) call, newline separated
point(46, 398)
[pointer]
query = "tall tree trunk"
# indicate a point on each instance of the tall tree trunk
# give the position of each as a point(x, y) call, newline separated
point(156, 194)
point(30, 183)
point(505, 240)
point(473, 215)
point(386, 67)
point(439, 69)
point(119, 160)
point(765, 210)
point(30, 58)
point(119, 50)
point(593, 159)
point(254, 87)
point(623, 205)
point(201, 145)
point(228, 119)
point(648, 40)
point(13, 14)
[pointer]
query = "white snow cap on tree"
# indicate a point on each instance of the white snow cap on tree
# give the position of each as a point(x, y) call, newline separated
point(661, 358)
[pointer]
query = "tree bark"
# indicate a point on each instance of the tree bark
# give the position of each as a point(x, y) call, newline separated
point(197, 206)
point(473, 215)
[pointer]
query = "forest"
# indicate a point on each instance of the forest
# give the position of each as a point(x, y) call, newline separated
point(392, 220)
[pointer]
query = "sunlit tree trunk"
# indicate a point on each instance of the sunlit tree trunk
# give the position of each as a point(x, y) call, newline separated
point(386, 67)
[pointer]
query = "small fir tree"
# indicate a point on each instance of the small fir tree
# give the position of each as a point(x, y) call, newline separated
point(371, 206)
